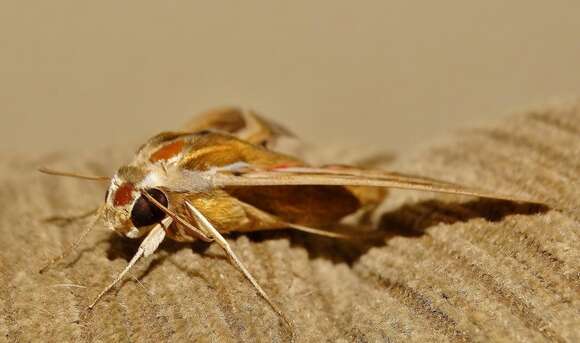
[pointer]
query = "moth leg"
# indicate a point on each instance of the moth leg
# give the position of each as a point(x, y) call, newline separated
point(147, 247)
point(221, 241)
point(98, 212)
point(198, 233)
point(320, 232)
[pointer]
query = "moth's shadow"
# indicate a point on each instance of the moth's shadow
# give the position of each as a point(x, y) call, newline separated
point(410, 220)
point(126, 248)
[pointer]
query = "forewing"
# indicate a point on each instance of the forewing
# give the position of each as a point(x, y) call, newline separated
point(209, 131)
point(205, 149)
point(214, 150)
point(352, 176)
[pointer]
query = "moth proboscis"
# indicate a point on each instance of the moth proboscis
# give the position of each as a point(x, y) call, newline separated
point(224, 172)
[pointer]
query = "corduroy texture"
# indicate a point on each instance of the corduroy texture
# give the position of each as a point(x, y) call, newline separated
point(450, 269)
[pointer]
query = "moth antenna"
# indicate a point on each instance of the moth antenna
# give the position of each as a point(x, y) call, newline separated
point(221, 241)
point(74, 175)
point(98, 214)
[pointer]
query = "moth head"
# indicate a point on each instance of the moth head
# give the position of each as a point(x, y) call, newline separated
point(128, 211)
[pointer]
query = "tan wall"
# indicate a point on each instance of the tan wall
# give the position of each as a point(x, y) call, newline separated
point(74, 74)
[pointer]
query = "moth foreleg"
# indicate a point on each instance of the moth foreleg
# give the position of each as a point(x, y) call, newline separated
point(206, 226)
point(147, 247)
point(201, 234)
point(320, 232)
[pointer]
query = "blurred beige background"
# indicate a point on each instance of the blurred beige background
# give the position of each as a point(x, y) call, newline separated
point(78, 75)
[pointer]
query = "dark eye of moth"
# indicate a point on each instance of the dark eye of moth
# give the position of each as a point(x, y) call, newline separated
point(145, 213)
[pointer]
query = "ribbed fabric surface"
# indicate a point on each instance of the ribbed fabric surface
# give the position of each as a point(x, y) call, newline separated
point(449, 269)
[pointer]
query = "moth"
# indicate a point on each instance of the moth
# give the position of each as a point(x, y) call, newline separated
point(224, 172)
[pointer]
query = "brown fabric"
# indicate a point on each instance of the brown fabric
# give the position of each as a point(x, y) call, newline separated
point(450, 269)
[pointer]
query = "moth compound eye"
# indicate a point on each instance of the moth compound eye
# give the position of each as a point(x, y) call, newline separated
point(145, 213)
